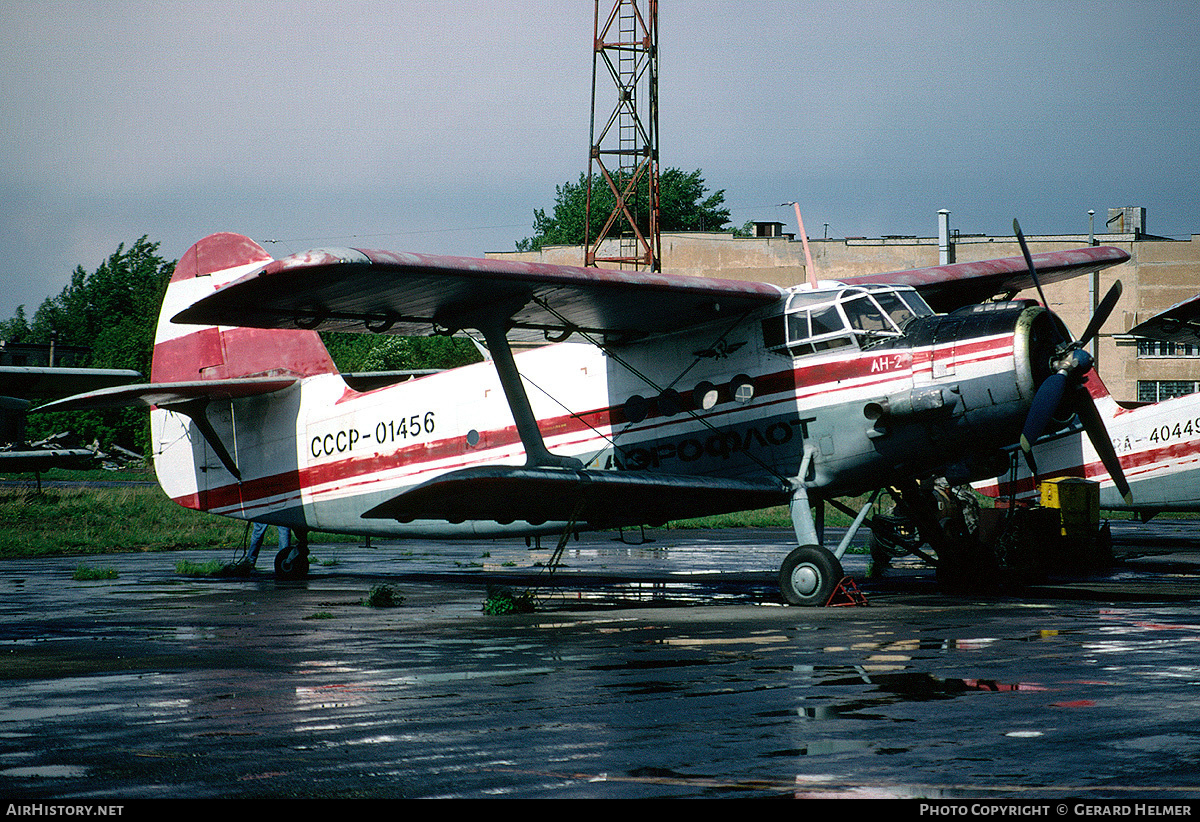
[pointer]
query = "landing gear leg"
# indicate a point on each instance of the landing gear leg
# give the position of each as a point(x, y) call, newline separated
point(811, 572)
point(292, 562)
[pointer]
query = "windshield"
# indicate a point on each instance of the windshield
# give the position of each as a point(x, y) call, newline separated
point(852, 315)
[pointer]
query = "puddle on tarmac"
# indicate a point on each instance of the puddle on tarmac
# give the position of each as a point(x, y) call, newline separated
point(672, 594)
point(45, 772)
point(916, 686)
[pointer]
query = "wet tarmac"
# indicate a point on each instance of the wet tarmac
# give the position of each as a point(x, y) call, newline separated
point(665, 669)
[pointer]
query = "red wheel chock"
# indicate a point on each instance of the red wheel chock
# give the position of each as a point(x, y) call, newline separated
point(846, 593)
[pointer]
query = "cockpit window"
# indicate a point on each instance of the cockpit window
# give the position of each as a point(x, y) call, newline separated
point(864, 315)
point(898, 310)
point(834, 317)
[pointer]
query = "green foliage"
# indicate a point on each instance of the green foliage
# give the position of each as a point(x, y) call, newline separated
point(112, 312)
point(78, 521)
point(388, 352)
point(747, 229)
point(15, 330)
point(212, 568)
point(683, 206)
point(384, 596)
point(502, 601)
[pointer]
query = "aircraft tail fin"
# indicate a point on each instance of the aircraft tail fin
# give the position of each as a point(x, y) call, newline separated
point(184, 353)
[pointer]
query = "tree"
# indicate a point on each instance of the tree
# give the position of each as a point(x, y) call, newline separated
point(389, 352)
point(112, 312)
point(683, 206)
point(15, 330)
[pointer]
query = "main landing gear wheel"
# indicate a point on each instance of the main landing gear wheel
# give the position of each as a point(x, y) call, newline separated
point(809, 575)
point(291, 563)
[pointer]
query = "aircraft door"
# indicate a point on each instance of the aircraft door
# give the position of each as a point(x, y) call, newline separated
point(944, 348)
point(211, 473)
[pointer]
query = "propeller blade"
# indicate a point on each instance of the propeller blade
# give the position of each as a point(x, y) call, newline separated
point(1029, 261)
point(1045, 403)
point(1093, 424)
point(1102, 311)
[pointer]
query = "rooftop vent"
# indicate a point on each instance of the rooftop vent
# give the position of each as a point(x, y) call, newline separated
point(1128, 220)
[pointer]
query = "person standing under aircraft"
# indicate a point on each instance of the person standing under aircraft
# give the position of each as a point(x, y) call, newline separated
point(256, 541)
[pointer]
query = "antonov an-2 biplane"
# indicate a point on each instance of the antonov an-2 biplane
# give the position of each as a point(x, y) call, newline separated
point(673, 397)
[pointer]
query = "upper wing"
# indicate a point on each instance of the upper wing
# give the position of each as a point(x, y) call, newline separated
point(31, 382)
point(947, 287)
point(398, 293)
point(1178, 324)
point(354, 290)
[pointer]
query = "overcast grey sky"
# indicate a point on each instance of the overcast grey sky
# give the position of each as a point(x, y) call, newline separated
point(440, 127)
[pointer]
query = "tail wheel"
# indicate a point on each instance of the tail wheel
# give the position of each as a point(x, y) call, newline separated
point(291, 563)
point(809, 575)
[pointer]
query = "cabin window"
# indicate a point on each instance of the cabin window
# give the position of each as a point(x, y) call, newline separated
point(772, 329)
point(916, 304)
point(741, 388)
point(636, 408)
point(705, 395)
point(670, 402)
point(826, 321)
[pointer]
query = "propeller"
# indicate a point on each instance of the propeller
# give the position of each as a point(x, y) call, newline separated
point(1064, 388)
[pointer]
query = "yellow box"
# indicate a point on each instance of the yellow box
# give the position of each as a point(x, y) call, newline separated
point(1077, 500)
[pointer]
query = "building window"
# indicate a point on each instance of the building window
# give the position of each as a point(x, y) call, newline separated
point(1159, 348)
point(1158, 390)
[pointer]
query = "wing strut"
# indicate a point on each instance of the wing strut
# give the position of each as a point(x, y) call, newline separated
point(495, 334)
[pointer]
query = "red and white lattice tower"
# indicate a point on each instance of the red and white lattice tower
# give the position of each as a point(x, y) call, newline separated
point(623, 227)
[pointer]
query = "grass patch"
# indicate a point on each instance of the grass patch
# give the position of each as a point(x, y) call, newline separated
point(130, 475)
point(776, 517)
point(383, 596)
point(129, 517)
point(68, 521)
point(85, 573)
point(132, 516)
point(502, 601)
point(212, 568)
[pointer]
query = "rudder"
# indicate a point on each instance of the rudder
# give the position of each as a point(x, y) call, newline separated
point(184, 353)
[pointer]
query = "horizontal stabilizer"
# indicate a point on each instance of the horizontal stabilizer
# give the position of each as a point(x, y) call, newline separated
point(43, 459)
point(601, 499)
point(35, 382)
point(166, 394)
